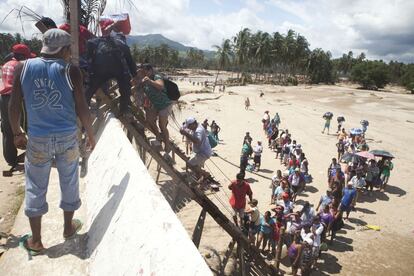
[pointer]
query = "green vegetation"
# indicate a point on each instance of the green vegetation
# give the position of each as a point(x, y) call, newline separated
point(371, 74)
point(8, 40)
point(272, 58)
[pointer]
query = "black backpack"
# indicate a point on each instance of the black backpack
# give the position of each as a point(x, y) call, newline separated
point(171, 87)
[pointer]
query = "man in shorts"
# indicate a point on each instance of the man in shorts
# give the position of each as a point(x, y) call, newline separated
point(53, 96)
point(239, 190)
point(152, 85)
point(197, 134)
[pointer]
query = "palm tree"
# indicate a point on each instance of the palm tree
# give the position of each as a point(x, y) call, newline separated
point(241, 48)
point(224, 54)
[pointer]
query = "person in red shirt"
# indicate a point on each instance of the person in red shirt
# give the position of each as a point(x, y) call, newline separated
point(239, 190)
point(20, 52)
point(84, 36)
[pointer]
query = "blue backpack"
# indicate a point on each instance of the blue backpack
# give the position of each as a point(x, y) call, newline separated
point(213, 142)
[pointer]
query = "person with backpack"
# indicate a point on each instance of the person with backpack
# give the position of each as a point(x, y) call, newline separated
point(110, 58)
point(153, 85)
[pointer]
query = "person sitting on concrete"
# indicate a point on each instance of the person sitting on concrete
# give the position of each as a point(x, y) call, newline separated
point(197, 134)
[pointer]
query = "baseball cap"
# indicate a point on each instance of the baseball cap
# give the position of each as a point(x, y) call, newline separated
point(54, 40)
point(22, 49)
point(297, 170)
point(285, 195)
point(189, 121)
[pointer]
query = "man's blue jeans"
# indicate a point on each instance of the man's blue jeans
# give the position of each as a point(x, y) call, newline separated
point(41, 151)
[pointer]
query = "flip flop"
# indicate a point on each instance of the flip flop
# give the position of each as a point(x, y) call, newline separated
point(78, 226)
point(23, 244)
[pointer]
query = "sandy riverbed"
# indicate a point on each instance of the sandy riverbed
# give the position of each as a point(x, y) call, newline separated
point(391, 118)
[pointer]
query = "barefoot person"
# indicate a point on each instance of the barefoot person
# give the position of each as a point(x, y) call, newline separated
point(197, 134)
point(53, 96)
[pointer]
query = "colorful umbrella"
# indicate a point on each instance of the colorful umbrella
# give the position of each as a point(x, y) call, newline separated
point(366, 154)
point(382, 153)
point(356, 131)
point(349, 157)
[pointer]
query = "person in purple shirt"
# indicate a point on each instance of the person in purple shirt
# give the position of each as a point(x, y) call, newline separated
point(327, 219)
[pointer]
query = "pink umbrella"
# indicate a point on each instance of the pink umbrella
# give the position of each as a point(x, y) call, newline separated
point(366, 154)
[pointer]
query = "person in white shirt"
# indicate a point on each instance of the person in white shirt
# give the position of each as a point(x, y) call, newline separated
point(265, 121)
point(307, 213)
point(257, 151)
point(358, 182)
point(317, 230)
point(197, 134)
point(254, 218)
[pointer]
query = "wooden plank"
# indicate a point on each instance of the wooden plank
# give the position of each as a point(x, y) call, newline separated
point(74, 7)
point(198, 230)
point(193, 191)
point(227, 255)
point(242, 261)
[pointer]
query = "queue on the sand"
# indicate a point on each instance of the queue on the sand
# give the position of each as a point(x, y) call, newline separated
point(305, 233)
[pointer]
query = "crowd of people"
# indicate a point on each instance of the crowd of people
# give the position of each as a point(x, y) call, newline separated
point(58, 99)
point(309, 230)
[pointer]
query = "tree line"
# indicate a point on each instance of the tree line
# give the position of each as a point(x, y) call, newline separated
point(274, 58)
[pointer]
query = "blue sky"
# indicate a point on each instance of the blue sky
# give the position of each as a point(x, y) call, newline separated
point(383, 29)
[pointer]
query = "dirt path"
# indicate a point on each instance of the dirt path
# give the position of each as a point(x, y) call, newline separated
point(11, 197)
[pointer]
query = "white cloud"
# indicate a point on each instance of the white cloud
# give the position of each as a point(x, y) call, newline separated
point(382, 28)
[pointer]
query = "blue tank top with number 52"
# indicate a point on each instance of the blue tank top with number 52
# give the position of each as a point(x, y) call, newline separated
point(48, 96)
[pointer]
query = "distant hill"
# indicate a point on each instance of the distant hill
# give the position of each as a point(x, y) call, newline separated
point(155, 40)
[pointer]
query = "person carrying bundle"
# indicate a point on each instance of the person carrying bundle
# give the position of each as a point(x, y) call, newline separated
point(340, 121)
point(328, 117)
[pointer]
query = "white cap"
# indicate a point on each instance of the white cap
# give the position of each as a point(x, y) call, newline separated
point(54, 40)
point(189, 121)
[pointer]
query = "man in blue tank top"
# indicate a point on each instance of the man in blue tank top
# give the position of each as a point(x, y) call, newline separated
point(52, 92)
